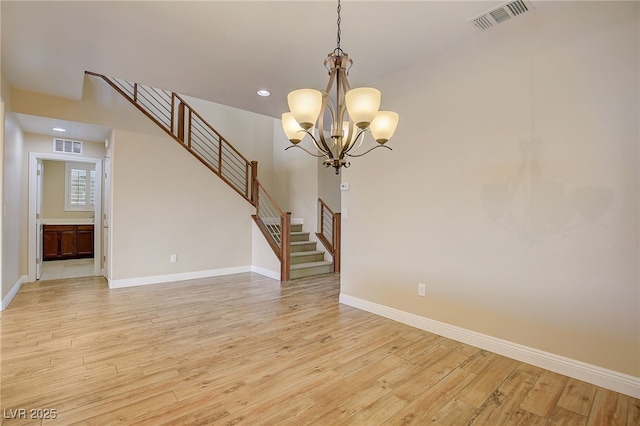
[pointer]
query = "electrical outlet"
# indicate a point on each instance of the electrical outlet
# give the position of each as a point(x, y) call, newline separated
point(422, 289)
point(174, 258)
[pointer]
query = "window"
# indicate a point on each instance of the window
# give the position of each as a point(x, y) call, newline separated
point(80, 187)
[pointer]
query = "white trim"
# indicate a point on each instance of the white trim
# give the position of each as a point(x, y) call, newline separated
point(266, 272)
point(32, 235)
point(609, 379)
point(12, 293)
point(181, 276)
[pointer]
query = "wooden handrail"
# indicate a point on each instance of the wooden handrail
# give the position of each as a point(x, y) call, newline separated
point(332, 244)
point(178, 132)
point(181, 131)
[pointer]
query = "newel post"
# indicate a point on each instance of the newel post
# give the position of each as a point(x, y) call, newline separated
point(254, 185)
point(181, 121)
point(285, 247)
point(337, 237)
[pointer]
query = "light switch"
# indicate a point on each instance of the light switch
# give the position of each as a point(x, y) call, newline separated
point(344, 186)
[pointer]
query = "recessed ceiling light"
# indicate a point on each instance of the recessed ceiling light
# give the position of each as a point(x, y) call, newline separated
point(263, 92)
point(59, 129)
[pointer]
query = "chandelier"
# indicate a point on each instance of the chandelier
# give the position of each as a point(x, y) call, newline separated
point(308, 108)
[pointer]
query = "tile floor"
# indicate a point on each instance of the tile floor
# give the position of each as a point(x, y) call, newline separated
point(56, 269)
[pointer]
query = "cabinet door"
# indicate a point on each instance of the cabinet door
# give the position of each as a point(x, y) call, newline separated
point(84, 240)
point(67, 240)
point(50, 244)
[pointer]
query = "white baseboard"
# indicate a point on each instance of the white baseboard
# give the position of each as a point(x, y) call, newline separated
point(158, 279)
point(266, 272)
point(183, 276)
point(609, 379)
point(12, 293)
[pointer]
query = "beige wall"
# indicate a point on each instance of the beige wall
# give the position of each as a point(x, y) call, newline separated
point(163, 201)
point(329, 187)
point(512, 190)
point(249, 133)
point(14, 213)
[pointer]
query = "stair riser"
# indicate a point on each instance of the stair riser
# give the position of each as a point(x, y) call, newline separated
point(299, 237)
point(306, 259)
point(303, 247)
point(307, 272)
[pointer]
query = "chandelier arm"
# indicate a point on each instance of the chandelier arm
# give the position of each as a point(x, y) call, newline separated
point(322, 146)
point(331, 107)
point(345, 82)
point(326, 104)
point(368, 151)
point(305, 150)
point(351, 146)
point(318, 146)
point(345, 147)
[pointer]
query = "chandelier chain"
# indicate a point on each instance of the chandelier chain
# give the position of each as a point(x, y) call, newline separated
point(339, 31)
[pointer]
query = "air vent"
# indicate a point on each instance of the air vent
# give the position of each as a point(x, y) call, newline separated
point(67, 147)
point(502, 13)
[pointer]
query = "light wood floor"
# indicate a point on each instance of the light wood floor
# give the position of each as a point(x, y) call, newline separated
point(244, 349)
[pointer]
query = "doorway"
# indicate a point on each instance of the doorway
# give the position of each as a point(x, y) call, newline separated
point(35, 222)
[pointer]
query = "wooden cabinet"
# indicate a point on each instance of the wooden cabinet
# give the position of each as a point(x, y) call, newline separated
point(67, 242)
point(84, 240)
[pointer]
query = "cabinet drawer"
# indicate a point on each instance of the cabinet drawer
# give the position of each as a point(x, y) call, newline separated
point(60, 228)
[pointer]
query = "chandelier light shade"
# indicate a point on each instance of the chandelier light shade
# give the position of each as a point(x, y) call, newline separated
point(291, 128)
point(384, 125)
point(362, 104)
point(305, 105)
point(353, 112)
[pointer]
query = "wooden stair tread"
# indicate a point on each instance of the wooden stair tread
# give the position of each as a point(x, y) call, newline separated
point(306, 253)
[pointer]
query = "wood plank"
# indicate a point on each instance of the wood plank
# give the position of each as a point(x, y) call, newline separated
point(608, 409)
point(577, 396)
point(544, 395)
point(455, 412)
point(563, 417)
point(247, 349)
point(433, 399)
point(504, 402)
point(487, 381)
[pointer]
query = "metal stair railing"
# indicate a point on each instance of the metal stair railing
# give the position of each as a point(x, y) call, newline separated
point(330, 233)
point(178, 119)
point(275, 226)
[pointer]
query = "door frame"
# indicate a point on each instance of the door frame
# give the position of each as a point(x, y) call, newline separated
point(33, 235)
point(39, 225)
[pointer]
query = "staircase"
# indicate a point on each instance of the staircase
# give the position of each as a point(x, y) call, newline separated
point(305, 259)
point(297, 254)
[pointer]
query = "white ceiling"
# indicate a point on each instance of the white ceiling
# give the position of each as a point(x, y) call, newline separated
point(222, 51)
